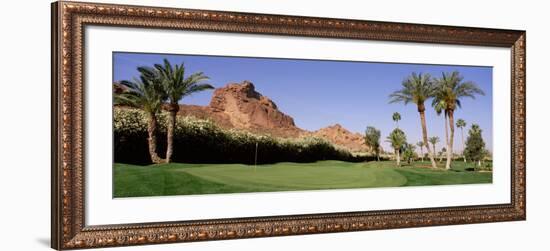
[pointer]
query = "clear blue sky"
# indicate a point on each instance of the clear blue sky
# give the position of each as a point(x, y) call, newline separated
point(321, 93)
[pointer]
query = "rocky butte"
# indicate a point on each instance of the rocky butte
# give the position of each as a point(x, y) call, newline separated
point(240, 106)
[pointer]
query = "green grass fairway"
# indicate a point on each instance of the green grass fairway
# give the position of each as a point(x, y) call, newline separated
point(185, 179)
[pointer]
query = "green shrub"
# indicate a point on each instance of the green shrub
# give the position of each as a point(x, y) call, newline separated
point(202, 141)
point(486, 166)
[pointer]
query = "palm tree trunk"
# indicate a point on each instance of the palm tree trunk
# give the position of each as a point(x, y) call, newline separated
point(446, 130)
point(433, 145)
point(152, 138)
point(451, 139)
point(425, 133)
point(463, 146)
point(398, 156)
point(173, 110)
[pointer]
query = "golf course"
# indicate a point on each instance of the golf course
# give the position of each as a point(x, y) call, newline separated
point(183, 127)
point(188, 179)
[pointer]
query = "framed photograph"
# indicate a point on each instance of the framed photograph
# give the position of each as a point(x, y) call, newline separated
point(177, 125)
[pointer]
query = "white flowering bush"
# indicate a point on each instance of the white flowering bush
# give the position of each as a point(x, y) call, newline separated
point(134, 121)
point(199, 140)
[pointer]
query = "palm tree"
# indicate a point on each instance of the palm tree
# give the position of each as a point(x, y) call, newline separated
point(440, 108)
point(417, 88)
point(434, 140)
point(372, 140)
point(420, 145)
point(396, 117)
point(176, 87)
point(441, 153)
point(450, 88)
point(408, 152)
point(460, 123)
point(144, 93)
point(397, 139)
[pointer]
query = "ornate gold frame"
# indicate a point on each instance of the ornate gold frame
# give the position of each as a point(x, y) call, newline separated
point(68, 22)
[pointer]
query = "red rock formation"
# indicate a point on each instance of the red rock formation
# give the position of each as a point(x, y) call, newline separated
point(341, 136)
point(239, 105)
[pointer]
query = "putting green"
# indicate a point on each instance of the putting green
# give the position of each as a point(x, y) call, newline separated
point(184, 179)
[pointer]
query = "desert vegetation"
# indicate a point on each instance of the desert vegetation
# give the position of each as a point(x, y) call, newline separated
point(475, 147)
point(449, 90)
point(154, 138)
point(202, 141)
point(372, 140)
point(446, 93)
point(417, 88)
point(157, 87)
point(398, 140)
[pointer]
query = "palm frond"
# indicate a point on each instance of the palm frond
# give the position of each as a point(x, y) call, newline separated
point(397, 138)
point(416, 88)
point(174, 83)
point(197, 88)
point(143, 92)
point(434, 140)
point(126, 99)
point(400, 97)
point(148, 72)
point(468, 89)
point(450, 88)
point(460, 123)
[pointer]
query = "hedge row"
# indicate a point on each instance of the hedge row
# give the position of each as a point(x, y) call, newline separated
point(201, 141)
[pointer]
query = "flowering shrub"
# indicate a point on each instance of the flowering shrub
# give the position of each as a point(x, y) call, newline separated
point(202, 141)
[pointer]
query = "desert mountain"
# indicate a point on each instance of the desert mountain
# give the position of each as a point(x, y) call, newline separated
point(239, 105)
point(341, 136)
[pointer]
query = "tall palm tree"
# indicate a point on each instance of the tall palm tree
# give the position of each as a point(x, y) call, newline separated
point(417, 88)
point(144, 93)
point(397, 139)
point(176, 87)
point(396, 117)
point(420, 145)
point(460, 123)
point(450, 89)
point(433, 140)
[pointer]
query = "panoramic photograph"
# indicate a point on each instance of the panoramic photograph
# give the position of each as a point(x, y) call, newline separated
point(197, 124)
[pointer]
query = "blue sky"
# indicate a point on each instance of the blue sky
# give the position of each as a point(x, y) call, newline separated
point(321, 93)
